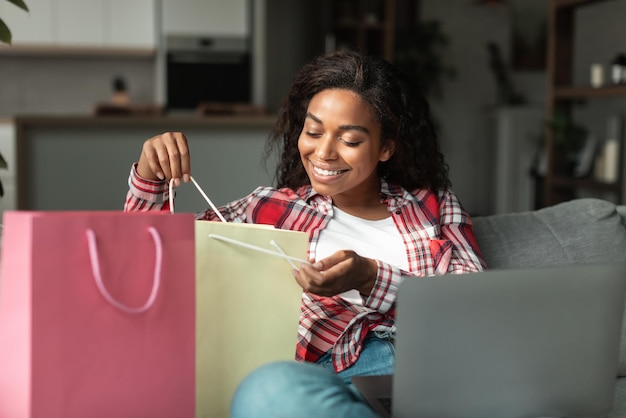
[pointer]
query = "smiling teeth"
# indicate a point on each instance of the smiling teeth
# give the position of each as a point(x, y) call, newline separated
point(327, 172)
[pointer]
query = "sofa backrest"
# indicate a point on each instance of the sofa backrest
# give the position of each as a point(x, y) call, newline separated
point(578, 231)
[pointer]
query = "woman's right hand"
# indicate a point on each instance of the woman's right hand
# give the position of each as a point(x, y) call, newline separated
point(165, 157)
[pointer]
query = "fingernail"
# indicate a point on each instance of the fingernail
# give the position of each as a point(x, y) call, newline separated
point(294, 272)
point(186, 178)
point(160, 176)
point(177, 182)
point(317, 266)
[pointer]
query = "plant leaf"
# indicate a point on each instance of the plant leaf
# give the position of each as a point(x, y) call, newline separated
point(3, 163)
point(5, 33)
point(19, 3)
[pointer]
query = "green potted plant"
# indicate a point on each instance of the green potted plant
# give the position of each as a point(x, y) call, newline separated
point(419, 53)
point(5, 37)
point(568, 139)
point(5, 33)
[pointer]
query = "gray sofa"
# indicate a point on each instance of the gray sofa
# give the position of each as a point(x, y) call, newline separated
point(578, 231)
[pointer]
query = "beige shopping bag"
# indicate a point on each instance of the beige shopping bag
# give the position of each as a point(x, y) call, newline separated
point(247, 307)
point(247, 304)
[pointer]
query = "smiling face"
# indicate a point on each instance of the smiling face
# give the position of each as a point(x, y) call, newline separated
point(340, 146)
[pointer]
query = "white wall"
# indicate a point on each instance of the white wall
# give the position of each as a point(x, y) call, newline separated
point(468, 101)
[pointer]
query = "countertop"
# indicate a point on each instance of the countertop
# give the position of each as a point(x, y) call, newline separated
point(185, 121)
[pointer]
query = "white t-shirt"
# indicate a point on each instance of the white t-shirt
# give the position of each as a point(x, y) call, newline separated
point(379, 240)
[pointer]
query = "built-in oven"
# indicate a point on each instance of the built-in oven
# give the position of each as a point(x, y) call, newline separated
point(207, 70)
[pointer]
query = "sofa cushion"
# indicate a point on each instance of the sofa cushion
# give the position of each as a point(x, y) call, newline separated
point(578, 231)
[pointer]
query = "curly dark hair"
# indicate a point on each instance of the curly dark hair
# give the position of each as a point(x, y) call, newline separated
point(397, 105)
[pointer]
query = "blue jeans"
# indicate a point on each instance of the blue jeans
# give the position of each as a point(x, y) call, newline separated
point(305, 390)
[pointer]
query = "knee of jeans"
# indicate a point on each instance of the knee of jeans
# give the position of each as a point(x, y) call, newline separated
point(263, 387)
point(268, 378)
point(292, 385)
point(295, 390)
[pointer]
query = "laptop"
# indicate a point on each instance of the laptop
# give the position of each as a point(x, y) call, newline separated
point(504, 344)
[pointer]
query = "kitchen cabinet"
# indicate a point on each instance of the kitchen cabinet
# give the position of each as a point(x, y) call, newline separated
point(83, 23)
point(563, 94)
point(209, 18)
point(132, 23)
point(80, 22)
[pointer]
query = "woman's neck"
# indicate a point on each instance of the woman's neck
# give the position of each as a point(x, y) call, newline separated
point(371, 211)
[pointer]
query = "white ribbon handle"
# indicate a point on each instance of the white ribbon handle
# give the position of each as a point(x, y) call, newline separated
point(95, 268)
point(217, 212)
point(280, 253)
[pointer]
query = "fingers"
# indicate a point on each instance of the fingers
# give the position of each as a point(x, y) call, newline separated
point(313, 281)
point(334, 259)
point(165, 157)
point(340, 272)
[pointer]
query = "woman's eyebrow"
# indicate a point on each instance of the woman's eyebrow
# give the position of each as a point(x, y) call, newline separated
point(354, 128)
point(315, 118)
point(342, 127)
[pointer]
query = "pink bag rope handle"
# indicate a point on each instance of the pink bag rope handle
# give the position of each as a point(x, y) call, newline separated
point(95, 268)
point(171, 196)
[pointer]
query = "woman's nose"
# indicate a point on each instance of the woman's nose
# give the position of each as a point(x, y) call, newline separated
point(325, 149)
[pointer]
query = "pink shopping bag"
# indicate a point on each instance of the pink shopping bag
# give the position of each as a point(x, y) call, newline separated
point(97, 315)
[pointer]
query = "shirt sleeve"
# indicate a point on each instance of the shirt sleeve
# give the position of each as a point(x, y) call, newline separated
point(383, 295)
point(144, 195)
point(457, 230)
point(453, 251)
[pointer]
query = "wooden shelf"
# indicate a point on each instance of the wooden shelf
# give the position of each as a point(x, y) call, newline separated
point(563, 96)
point(563, 4)
point(584, 92)
point(584, 183)
point(353, 29)
point(360, 25)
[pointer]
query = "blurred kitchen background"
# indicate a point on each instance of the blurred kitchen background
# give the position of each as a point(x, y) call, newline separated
point(87, 81)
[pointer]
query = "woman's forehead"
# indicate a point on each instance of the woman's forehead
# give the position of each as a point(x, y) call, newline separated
point(340, 101)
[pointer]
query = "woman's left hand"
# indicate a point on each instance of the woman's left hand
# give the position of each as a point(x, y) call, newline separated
point(342, 271)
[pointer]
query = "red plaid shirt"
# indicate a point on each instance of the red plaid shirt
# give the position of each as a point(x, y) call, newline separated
point(437, 233)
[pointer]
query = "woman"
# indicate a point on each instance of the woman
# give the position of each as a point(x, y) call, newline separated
point(362, 173)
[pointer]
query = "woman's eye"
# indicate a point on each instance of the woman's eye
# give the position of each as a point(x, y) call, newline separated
point(350, 143)
point(314, 134)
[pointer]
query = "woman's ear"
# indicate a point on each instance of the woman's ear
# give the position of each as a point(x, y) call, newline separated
point(387, 150)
